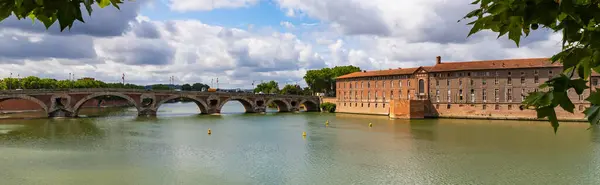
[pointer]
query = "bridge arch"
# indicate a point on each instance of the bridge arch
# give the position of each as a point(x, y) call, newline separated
point(248, 105)
point(310, 105)
point(282, 104)
point(95, 95)
point(199, 102)
point(26, 97)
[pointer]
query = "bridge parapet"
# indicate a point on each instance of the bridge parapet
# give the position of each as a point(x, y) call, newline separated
point(67, 102)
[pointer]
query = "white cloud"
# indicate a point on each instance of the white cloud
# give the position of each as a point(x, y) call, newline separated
point(376, 34)
point(287, 24)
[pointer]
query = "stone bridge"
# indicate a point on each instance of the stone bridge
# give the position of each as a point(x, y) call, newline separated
point(66, 103)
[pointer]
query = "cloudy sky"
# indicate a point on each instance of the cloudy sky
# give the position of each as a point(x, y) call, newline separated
point(240, 41)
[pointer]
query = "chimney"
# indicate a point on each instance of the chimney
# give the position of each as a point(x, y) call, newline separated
point(364, 71)
point(438, 60)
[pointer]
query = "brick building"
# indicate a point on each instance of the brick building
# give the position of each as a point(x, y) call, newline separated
point(477, 89)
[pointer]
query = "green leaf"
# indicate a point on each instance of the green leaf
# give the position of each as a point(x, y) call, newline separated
point(515, 35)
point(473, 13)
point(594, 97)
point(103, 3)
point(475, 29)
point(39, 2)
point(563, 100)
point(497, 8)
point(592, 114)
point(579, 85)
point(551, 114)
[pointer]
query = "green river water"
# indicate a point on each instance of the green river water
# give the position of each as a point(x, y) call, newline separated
point(116, 148)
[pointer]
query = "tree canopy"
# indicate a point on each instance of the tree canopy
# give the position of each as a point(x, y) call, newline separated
point(579, 23)
point(195, 87)
point(323, 80)
point(267, 87)
point(49, 11)
point(291, 90)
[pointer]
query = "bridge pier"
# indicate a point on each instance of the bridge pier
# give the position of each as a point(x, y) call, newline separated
point(61, 113)
point(147, 113)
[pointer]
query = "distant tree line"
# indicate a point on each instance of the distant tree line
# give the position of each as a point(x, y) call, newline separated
point(323, 80)
point(32, 82)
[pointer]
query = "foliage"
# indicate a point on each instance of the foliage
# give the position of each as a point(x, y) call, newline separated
point(2, 85)
point(32, 82)
point(160, 87)
point(267, 87)
point(323, 80)
point(328, 107)
point(577, 20)
point(200, 87)
point(186, 87)
point(291, 90)
point(307, 91)
point(49, 11)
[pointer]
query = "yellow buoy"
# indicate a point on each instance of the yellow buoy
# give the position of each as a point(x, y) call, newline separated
point(303, 133)
point(327, 123)
point(209, 132)
point(370, 124)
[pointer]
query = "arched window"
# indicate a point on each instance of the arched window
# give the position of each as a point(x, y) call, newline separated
point(421, 86)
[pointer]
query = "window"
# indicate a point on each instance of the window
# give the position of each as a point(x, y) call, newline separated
point(356, 104)
point(549, 74)
point(595, 81)
point(522, 80)
point(391, 94)
point(535, 72)
point(509, 81)
point(369, 94)
point(522, 95)
point(496, 97)
point(483, 95)
point(497, 73)
point(449, 94)
point(368, 104)
point(362, 85)
point(472, 82)
point(581, 97)
point(509, 95)
point(375, 105)
point(392, 84)
point(437, 106)
point(383, 105)
point(536, 79)
point(383, 84)
point(383, 94)
point(484, 107)
point(509, 107)
point(496, 80)
point(460, 94)
point(437, 82)
point(437, 95)
point(522, 73)
point(459, 82)
point(483, 81)
point(580, 107)
point(362, 104)
point(469, 74)
point(448, 106)
point(509, 73)
point(344, 104)
point(408, 83)
point(472, 95)
point(376, 84)
point(497, 107)
point(350, 85)
point(350, 104)
point(368, 84)
point(400, 83)
point(448, 82)
point(375, 94)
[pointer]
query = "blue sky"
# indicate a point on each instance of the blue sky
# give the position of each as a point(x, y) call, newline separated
point(200, 40)
point(263, 14)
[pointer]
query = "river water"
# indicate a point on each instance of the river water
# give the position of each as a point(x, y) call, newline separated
point(174, 148)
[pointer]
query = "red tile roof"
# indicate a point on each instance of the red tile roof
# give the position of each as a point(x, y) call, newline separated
point(389, 72)
point(495, 64)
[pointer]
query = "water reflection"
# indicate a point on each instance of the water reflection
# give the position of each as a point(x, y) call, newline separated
point(174, 148)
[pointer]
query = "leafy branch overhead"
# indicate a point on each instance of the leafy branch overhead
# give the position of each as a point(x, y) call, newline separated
point(577, 20)
point(49, 11)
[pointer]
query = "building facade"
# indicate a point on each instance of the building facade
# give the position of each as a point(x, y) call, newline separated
point(477, 89)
